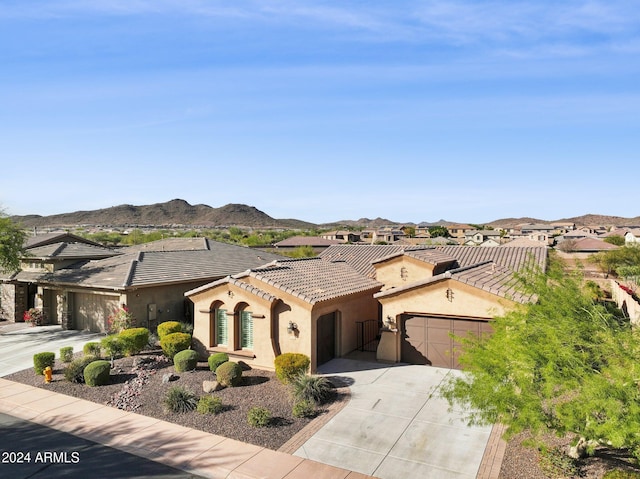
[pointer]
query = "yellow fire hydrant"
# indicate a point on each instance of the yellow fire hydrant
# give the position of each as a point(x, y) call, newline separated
point(47, 374)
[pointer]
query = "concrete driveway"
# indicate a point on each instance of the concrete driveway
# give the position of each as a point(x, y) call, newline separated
point(396, 426)
point(19, 342)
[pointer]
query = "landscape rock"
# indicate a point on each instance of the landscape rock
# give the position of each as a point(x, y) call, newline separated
point(167, 377)
point(211, 386)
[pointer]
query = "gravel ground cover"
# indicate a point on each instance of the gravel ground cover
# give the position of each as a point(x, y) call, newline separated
point(141, 389)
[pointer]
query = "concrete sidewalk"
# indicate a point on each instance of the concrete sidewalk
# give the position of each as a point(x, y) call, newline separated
point(196, 452)
point(396, 426)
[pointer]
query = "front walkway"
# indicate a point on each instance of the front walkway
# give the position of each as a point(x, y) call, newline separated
point(396, 426)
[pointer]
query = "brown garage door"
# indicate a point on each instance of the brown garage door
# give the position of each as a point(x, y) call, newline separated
point(427, 340)
point(90, 311)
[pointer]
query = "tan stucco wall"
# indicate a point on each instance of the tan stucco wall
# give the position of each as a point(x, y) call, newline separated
point(281, 312)
point(431, 299)
point(392, 275)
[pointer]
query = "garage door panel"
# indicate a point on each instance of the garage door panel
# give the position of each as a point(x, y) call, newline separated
point(428, 340)
point(91, 311)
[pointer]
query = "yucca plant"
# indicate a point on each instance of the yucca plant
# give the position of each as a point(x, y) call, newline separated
point(180, 399)
point(315, 389)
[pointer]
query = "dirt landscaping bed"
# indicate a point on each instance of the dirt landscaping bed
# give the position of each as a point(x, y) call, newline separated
point(144, 392)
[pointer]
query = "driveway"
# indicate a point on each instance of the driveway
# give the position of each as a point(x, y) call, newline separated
point(396, 426)
point(19, 342)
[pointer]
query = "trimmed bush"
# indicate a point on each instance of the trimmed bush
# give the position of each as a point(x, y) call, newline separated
point(174, 343)
point(66, 354)
point(259, 417)
point(186, 360)
point(315, 389)
point(180, 399)
point(112, 346)
point(186, 327)
point(229, 374)
point(290, 365)
point(303, 409)
point(92, 349)
point(97, 373)
point(42, 360)
point(134, 340)
point(216, 360)
point(210, 405)
point(74, 372)
point(168, 327)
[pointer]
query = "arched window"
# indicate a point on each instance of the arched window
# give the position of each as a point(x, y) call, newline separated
point(246, 329)
point(219, 326)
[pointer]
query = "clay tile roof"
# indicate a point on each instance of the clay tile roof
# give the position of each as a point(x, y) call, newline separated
point(71, 251)
point(361, 257)
point(313, 279)
point(296, 241)
point(591, 244)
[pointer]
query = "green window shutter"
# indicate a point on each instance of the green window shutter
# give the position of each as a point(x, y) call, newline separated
point(222, 336)
point(246, 330)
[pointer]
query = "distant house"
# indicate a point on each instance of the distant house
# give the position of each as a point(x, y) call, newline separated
point(632, 236)
point(459, 232)
point(482, 238)
point(316, 242)
point(342, 236)
point(78, 284)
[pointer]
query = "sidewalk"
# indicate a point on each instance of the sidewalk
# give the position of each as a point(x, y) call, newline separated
point(190, 450)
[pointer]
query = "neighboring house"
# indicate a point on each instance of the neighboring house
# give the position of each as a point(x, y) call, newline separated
point(632, 236)
point(342, 236)
point(317, 243)
point(482, 237)
point(387, 235)
point(309, 306)
point(459, 232)
point(79, 285)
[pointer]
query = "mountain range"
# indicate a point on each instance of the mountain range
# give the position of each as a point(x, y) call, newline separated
point(179, 212)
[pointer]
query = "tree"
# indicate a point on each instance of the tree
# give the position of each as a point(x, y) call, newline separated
point(615, 239)
point(12, 239)
point(436, 231)
point(612, 261)
point(564, 364)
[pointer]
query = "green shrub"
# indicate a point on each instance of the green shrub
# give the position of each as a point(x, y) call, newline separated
point(216, 360)
point(74, 372)
point(174, 343)
point(134, 340)
point(92, 349)
point(304, 409)
point(42, 360)
point(97, 373)
point(620, 474)
point(229, 374)
point(210, 405)
point(112, 346)
point(179, 399)
point(66, 354)
point(186, 360)
point(168, 327)
point(186, 327)
point(556, 463)
point(315, 389)
point(259, 417)
point(290, 365)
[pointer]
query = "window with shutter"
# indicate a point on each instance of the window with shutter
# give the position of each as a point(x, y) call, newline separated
point(246, 330)
point(222, 336)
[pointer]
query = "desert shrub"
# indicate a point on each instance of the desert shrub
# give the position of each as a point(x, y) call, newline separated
point(216, 360)
point(315, 389)
point(555, 463)
point(259, 416)
point(186, 360)
point(290, 365)
point(620, 474)
point(186, 327)
point(180, 399)
point(66, 354)
point(74, 372)
point(153, 340)
point(304, 409)
point(229, 374)
point(92, 349)
point(42, 360)
point(97, 373)
point(112, 345)
point(168, 327)
point(210, 405)
point(174, 343)
point(134, 340)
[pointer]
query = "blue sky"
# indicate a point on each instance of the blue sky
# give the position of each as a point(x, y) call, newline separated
point(326, 110)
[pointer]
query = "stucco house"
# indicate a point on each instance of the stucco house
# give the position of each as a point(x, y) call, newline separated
point(308, 306)
point(78, 284)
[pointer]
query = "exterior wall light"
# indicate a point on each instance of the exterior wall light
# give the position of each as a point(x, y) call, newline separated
point(449, 294)
point(293, 327)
